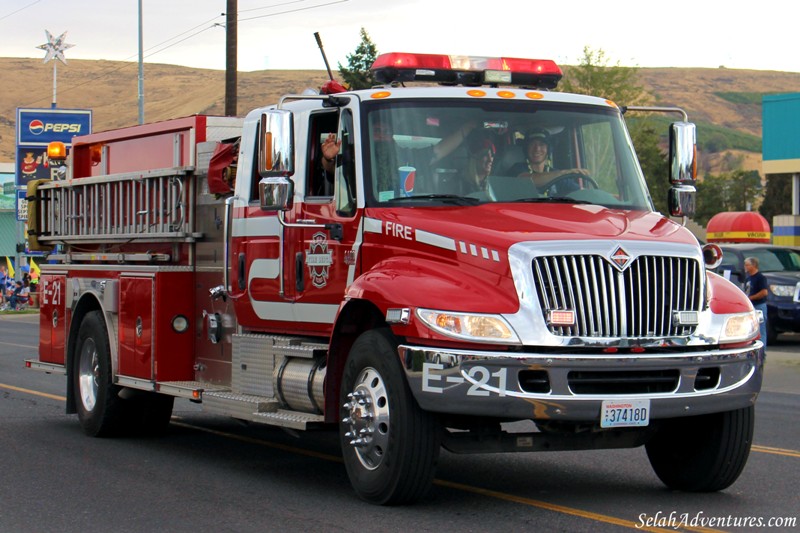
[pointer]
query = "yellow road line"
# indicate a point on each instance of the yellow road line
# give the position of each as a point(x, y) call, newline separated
point(450, 484)
point(776, 451)
point(553, 507)
point(597, 517)
point(33, 392)
point(268, 444)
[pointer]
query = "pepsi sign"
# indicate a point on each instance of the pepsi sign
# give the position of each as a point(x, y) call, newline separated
point(38, 127)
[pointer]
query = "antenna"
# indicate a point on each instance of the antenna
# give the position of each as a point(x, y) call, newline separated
point(325, 59)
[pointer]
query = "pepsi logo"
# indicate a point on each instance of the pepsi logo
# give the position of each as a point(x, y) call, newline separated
point(36, 127)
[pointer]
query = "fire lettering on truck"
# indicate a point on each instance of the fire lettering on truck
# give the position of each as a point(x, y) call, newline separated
point(51, 292)
point(482, 380)
point(319, 259)
point(393, 229)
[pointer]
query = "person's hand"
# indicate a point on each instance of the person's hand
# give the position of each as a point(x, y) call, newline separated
point(581, 171)
point(330, 147)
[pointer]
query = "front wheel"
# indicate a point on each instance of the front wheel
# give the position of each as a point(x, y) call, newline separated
point(702, 453)
point(390, 446)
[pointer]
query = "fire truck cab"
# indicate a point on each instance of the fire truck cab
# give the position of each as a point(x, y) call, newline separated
point(417, 265)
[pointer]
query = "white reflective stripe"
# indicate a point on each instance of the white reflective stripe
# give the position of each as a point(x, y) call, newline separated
point(256, 227)
point(373, 225)
point(435, 240)
point(264, 269)
point(351, 269)
point(294, 312)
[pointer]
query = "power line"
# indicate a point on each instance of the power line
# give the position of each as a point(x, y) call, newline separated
point(107, 72)
point(20, 9)
point(293, 10)
point(272, 6)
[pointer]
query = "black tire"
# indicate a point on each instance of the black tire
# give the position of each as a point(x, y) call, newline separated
point(702, 453)
point(99, 407)
point(772, 333)
point(390, 446)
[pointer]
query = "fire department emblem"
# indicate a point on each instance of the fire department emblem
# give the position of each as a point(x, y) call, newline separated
point(319, 259)
point(620, 258)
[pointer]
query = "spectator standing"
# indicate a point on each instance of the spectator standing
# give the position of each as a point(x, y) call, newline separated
point(757, 289)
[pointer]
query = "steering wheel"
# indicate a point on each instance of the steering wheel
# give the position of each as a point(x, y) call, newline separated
point(577, 181)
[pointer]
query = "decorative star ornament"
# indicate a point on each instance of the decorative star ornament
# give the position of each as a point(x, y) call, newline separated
point(54, 48)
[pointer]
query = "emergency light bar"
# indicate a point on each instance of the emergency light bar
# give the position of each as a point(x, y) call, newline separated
point(466, 70)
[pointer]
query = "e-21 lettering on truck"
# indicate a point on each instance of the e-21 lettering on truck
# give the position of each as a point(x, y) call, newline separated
point(385, 291)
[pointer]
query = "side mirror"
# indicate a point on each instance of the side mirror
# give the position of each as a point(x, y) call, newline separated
point(681, 200)
point(682, 153)
point(712, 255)
point(276, 144)
point(276, 193)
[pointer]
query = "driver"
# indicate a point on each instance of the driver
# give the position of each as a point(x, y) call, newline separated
point(538, 165)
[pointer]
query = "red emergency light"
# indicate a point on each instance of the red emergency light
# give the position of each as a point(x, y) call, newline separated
point(466, 70)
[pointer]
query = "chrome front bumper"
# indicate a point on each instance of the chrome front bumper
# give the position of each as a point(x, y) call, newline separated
point(500, 384)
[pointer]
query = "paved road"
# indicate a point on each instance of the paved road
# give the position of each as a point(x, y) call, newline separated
point(213, 474)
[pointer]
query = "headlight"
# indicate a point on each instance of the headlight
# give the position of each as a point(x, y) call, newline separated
point(783, 290)
point(740, 327)
point(471, 327)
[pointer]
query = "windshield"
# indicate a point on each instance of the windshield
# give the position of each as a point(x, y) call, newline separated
point(776, 260)
point(436, 152)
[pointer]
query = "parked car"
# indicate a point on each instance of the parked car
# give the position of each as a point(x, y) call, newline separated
point(781, 266)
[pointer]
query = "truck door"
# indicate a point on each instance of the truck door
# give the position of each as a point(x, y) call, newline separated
point(323, 261)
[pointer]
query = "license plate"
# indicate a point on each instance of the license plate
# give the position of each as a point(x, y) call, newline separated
point(624, 413)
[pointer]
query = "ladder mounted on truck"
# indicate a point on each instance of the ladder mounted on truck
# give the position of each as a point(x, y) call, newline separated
point(153, 206)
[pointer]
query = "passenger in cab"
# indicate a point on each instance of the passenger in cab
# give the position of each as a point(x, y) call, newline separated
point(479, 164)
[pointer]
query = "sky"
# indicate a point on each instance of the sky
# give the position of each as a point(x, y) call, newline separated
point(279, 34)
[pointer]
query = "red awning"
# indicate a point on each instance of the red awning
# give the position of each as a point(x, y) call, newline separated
point(738, 226)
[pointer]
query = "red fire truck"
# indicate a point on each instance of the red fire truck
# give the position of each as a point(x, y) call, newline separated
point(426, 283)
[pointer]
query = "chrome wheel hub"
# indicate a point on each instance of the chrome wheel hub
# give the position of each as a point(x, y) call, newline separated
point(88, 374)
point(367, 418)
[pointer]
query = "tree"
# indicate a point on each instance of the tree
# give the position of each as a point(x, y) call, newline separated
point(357, 74)
point(653, 161)
point(729, 191)
point(594, 76)
point(778, 196)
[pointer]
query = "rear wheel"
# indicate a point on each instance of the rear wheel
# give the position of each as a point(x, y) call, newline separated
point(702, 453)
point(390, 446)
point(100, 409)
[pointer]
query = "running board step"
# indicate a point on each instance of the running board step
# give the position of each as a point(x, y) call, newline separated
point(257, 409)
point(289, 419)
point(241, 406)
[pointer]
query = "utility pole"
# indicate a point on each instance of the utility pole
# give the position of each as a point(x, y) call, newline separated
point(141, 68)
point(230, 58)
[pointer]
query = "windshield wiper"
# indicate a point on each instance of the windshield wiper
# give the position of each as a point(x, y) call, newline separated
point(553, 200)
point(449, 198)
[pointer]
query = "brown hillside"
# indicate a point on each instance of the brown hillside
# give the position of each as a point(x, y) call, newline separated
point(110, 88)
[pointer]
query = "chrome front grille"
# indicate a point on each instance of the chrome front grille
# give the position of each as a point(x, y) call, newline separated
point(638, 301)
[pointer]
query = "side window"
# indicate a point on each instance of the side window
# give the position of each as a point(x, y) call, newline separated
point(318, 181)
point(346, 169)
